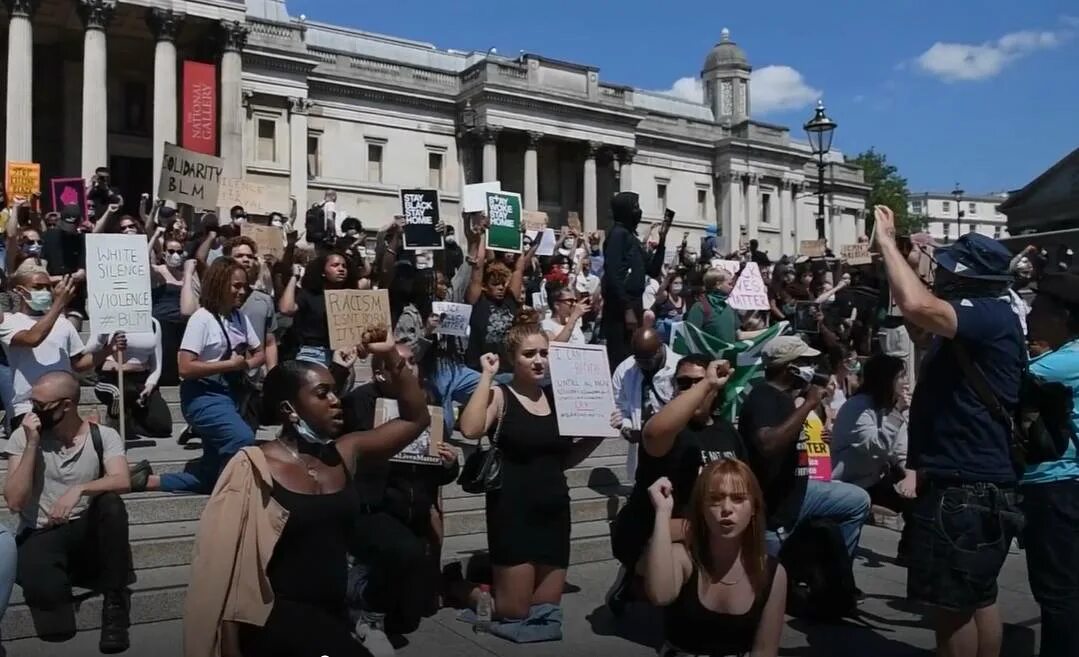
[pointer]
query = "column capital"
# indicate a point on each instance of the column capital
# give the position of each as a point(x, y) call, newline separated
point(751, 178)
point(490, 134)
point(785, 184)
point(837, 209)
point(626, 155)
point(22, 8)
point(534, 138)
point(96, 14)
point(164, 23)
point(591, 148)
point(299, 105)
point(233, 35)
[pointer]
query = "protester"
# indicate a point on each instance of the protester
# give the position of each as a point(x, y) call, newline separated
point(304, 300)
point(713, 314)
point(268, 577)
point(721, 592)
point(146, 415)
point(494, 291)
point(965, 514)
point(72, 523)
point(1050, 490)
point(166, 288)
point(564, 324)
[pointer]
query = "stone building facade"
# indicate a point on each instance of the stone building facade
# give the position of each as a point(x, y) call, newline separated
point(306, 107)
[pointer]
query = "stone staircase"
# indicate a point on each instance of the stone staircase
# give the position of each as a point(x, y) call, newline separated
point(163, 525)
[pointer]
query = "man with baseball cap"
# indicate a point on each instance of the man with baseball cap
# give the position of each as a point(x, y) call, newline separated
point(774, 429)
point(965, 514)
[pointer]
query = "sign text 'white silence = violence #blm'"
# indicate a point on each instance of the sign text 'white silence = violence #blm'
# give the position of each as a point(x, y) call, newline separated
point(118, 284)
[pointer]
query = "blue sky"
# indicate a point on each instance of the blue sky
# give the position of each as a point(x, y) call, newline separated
point(984, 93)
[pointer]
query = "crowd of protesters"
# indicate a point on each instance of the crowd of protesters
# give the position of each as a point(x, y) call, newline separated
point(929, 373)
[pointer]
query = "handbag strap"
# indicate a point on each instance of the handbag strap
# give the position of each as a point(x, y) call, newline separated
point(981, 388)
point(501, 416)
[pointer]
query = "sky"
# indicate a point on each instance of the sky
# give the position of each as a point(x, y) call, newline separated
point(983, 94)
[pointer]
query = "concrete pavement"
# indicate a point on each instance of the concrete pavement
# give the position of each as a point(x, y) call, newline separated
point(888, 625)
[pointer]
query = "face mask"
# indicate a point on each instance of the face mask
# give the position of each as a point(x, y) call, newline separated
point(32, 250)
point(49, 418)
point(40, 300)
point(174, 260)
point(303, 431)
point(804, 373)
point(450, 239)
point(676, 289)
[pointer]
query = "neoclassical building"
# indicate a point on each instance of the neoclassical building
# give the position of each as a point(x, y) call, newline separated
point(303, 107)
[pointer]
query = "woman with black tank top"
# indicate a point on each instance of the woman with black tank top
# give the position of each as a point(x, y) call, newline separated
point(722, 595)
point(283, 516)
point(528, 518)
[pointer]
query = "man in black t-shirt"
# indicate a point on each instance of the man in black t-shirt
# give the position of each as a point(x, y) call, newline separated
point(773, 428)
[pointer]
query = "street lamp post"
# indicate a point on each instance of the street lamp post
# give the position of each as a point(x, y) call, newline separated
point(820, 129)
point(957, 194)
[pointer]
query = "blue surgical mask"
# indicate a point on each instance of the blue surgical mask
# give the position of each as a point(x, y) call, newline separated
point(32, 249)
point(304, 431)
point(40, 300)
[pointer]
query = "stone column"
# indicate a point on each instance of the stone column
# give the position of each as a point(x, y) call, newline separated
point(738, 212)
point(590, 220)
point(625, 175)
point(164, 24)
point(859, 224)
point(531, 198)
point(95, 15)
point(786, 218)
point(834, 227)
point(753, 206)
point(298, 174)
point(490, 153)
point(20, 80)
point(724, 219)
point(233, 40)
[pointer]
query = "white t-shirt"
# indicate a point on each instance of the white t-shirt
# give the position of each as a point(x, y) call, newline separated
point(551, 326)
point(204, 338)
point(54, 354)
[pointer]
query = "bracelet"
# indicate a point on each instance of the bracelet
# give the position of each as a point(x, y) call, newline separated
point(391, 251)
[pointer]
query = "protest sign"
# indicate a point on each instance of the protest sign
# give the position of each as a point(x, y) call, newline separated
point(420, 209)
point(856, 254)
point(22, 179)
point(351, 312)
point(504, 215)
point(69, 191)
point(475, 196)
point(813, 248)
point(189, 177)
point(729, 266)
point(535, 221)
point(573, 220)
point(423, 450)
point(583, 396)
point(548, 240)
point(817, 450)
point(255, 198)
point(269, 240)
point(455, 318)
point(749, 292)
point(118, 283)
point(539, 301)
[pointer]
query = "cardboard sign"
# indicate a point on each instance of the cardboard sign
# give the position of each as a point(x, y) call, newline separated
point(539, 300)
point(548, 240)
point(456, 318)
point(255, 198)
point(574, 221)
point(69, 191)
point(423, 450)
point(535, 221)
point(730, 266)
point(813, 248)
point(189, 177)
point(856, 254)
point(749, 292)
point(22, 179)
point(475, 196)
point(818, 452)
point(420, 209)
point(583, 396)
point(504, 215)
point(118, 284)
point(269, 240)
point(351, 312)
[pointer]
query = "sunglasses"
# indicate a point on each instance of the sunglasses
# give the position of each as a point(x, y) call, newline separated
point(686, 382)
point(31, 242)
point(174, 251)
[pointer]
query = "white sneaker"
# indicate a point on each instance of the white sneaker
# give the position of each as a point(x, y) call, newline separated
point(369, 633)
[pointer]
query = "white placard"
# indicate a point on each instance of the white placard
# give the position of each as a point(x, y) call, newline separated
point(475, 196)
point(455, 318)
point(548, 241)
point(583, 397)
point(118, 284)
point(749, 292)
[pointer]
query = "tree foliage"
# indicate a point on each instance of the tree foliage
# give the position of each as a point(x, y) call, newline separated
point(888, 188)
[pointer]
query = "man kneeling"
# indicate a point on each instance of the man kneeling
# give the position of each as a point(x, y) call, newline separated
point(66, 477)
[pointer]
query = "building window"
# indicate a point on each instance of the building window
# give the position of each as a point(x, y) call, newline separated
point(947, 230)
point(434, 170)
point(946, 206)
point(973, 228)
point(314, 156)
point(267, 140)
point(374, 162)
point(996, 233)
point(766, 208)
point(661, 197)
point(916, 207)
point(702, 204)
point(972, 208)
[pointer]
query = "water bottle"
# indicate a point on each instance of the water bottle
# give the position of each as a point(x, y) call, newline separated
point(483, 609)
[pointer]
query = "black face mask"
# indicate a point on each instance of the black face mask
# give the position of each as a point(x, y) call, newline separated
point(49, 416)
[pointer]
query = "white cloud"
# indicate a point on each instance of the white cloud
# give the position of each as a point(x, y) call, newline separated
point(772, 89)
point(953, 62)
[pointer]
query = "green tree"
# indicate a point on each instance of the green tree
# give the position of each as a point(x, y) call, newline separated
point(888, 188)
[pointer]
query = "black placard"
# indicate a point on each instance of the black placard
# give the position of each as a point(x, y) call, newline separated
point(419, 207)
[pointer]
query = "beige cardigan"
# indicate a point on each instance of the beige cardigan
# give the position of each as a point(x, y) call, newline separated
point(236, 537)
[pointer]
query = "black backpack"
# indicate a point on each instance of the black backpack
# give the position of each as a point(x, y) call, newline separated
point(820, 579)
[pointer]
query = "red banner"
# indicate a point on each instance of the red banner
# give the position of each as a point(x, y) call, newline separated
point(200, 108)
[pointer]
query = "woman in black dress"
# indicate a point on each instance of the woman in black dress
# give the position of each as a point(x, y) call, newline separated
point(528, 518)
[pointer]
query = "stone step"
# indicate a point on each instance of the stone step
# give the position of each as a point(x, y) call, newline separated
point(596, 471)
point(465, 516)
point(170, 394)
point(589, 541)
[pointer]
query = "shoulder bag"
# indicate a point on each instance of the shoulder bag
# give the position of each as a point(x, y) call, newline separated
point(482, 471)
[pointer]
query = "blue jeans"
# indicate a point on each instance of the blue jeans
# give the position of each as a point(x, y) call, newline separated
point(846, 504)
point(8, 559)
point(210, 410)
point(7, 396)
point(320, 355)
point(452, 382)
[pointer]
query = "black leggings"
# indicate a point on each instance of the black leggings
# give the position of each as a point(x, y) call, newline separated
point(152, 420)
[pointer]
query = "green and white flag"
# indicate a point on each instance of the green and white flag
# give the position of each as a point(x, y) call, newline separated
point(744, 356)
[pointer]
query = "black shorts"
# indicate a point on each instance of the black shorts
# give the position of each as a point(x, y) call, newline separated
point(959, 539)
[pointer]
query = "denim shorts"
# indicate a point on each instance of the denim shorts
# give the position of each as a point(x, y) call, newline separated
point(959, 539)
